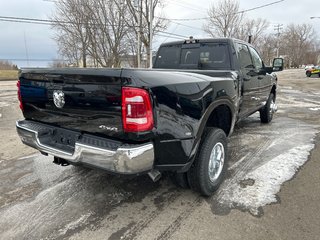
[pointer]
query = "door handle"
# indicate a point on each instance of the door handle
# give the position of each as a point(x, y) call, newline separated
point(255, 98)
point(246, 79)
point(260, 78)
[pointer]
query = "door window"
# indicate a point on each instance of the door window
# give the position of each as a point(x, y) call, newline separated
point(257, 61)
point(244, 56)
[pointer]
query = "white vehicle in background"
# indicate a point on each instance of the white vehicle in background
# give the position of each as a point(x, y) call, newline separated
point(308, 66)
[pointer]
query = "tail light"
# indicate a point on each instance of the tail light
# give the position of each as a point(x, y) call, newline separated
point(137, 113)
point(19, 95)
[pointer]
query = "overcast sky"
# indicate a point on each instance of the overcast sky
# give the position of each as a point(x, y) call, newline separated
point(19, 40)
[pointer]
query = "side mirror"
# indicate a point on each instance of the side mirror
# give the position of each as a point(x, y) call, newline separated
point(277, 64)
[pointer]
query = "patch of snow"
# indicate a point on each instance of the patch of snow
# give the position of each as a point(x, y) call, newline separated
point(4, 104)
point(266, 156)
point(267, 176)
point(314, 109)
point(74, 224)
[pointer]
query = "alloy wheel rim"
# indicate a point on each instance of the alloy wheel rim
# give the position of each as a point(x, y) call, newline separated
point(273, 107)
point(216, 161)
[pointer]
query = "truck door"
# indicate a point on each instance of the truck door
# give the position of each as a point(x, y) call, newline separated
point(264, 79)
point(248, 82)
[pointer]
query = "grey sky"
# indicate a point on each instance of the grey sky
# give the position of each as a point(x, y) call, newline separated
point(41, 46)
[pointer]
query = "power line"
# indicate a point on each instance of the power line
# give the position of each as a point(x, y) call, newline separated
point(33, 60)
point(184, 25)
point(262, 6)
point(168, 36)
point(186, 6)
point(50, 22)
point(190, 5)
point(31, 20)
point(206, 18)
point(20, 21)
point(174, 34)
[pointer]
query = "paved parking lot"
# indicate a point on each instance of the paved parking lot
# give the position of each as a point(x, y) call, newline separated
point(271, 192)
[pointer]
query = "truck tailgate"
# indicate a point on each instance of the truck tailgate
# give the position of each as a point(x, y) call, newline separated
point(87, 100)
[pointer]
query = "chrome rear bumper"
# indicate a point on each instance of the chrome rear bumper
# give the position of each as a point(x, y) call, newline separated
point(125, 159)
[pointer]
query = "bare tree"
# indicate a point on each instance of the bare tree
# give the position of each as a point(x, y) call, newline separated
point(58, 64)
point(142, 16)
point(224, 20)
point(297, 41)
point(69, 48)
point(102, 31)
point(7, 65)
point(312, 55)
point(267, 47)
point(108, 31)
point(252, 27)
point(71, 21)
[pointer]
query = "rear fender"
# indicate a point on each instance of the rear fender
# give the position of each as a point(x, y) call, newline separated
point(203, 123)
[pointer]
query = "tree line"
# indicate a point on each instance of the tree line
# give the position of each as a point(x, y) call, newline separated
point(104, 33)
point(297, 43)
point(7, 65)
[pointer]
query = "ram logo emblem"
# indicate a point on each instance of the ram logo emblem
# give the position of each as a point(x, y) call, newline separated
point(58, 98)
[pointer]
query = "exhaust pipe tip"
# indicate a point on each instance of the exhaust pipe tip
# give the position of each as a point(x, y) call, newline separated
point(60, 161)
point(155, 175)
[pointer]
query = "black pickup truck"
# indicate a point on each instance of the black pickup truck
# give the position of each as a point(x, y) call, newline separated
point(173, 118)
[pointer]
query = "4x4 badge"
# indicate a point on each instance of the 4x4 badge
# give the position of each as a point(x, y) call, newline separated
point(58, 98)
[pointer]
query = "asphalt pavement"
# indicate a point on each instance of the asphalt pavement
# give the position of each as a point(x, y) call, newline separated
point(272, 190)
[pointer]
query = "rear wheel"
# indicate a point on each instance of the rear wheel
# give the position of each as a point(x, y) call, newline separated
point(208, 170)
point(308, 74)
point(266, 113)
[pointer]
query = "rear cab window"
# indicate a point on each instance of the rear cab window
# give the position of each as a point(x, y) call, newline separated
point(206, 56)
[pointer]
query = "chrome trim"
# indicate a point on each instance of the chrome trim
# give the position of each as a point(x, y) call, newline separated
point(128, 159)
point(273, 107)
point(216, 161)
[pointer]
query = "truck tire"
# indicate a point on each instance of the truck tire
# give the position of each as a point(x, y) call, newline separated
point(266, 113)
point(208, 169)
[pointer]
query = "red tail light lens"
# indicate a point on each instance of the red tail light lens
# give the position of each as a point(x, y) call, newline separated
point(136, 110)
point(19, 95)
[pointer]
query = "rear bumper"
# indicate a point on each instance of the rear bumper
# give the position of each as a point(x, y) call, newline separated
point(124, 159)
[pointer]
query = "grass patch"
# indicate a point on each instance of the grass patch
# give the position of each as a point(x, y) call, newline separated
point(8, 74)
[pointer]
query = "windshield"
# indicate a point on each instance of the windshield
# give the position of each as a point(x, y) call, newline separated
point(205, 56)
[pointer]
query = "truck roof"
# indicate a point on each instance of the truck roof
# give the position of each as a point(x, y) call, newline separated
point(203, 40)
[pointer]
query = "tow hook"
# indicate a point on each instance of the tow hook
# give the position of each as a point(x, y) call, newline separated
point(60, 161)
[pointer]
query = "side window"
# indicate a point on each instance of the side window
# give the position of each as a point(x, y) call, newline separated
point(168, 57)
point(244, 56)
point(257, 61)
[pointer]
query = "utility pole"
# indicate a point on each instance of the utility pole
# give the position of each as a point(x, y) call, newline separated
point(150, 40)
point(26, 48)
point(278, 29)
point(138, 7)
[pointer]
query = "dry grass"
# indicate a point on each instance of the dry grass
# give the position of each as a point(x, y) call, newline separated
point(8, 74)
